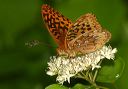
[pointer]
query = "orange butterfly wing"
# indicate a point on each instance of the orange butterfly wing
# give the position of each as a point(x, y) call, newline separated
point(87, 35)
point(56, 24)
point(85, 24)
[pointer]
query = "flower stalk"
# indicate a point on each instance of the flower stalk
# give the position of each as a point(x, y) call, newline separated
point(91, 78)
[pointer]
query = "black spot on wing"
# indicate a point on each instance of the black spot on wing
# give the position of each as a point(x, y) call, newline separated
point(89, 28)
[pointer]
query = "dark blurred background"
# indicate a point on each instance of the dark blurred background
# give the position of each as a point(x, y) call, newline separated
point(22, 67)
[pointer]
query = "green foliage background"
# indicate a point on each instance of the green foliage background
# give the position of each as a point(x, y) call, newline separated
point(22, 67)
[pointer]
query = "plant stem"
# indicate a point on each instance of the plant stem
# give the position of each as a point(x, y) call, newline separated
point(91, 78)
point(95, 75)
point(96, 72)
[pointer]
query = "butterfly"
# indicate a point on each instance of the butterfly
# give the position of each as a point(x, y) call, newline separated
point(81, 37)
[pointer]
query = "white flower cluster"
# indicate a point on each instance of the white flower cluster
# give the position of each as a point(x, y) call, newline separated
point(66, 67)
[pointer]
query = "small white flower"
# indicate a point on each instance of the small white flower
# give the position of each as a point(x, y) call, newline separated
point(66, 67)
point(108, 52)
point(51, 73)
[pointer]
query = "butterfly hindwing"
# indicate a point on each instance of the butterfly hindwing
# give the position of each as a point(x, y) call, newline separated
point(56, 23)
point(86, 35)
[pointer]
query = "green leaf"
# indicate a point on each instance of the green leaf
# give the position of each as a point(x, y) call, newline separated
point(56, 86)
point(111, 70)
point(81, 86)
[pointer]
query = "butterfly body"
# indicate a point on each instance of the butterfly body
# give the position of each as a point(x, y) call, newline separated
point(84, 36)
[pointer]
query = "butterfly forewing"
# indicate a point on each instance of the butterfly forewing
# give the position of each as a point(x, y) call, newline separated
point(56, 23)
point(86, 23)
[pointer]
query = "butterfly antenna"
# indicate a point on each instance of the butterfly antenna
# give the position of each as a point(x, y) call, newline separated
point(34, 43)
